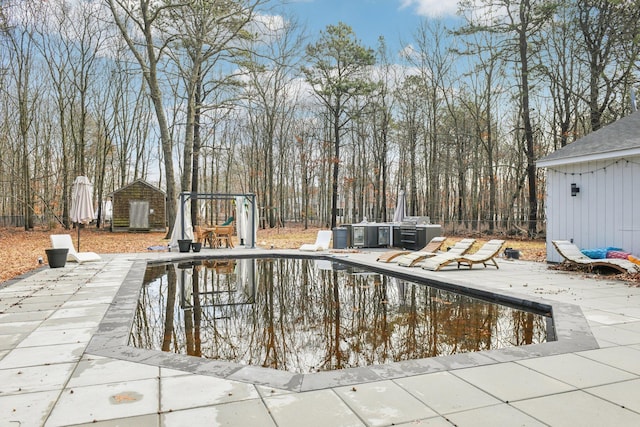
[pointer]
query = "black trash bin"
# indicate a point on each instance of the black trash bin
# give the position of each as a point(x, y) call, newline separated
point(339, 238)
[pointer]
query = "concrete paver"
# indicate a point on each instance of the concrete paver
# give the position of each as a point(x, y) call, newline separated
point(626, 358)
point(203, 391)
point(30, 409)
point(140, 421)
point(100, 370)
point(606, 318)
point(313, 408)
point(510, 381)
point(234, 414)
point(503, 415)
point(100, 402)
point(623, 393)
point(34, 378)
point(50, 374)
point(577, 371)
point(577, 409)
point(42, 356)
point(616, 334)
point(445, 393)
point(384, 403)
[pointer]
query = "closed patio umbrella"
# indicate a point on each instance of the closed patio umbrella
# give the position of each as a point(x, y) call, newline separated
point(81, 203)
point(401, 208)
point(245, 226)
point(182, 227)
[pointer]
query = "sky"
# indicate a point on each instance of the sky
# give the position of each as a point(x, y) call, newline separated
point(396, 20)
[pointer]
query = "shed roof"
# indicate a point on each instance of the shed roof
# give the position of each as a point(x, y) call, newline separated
point(138, 181)
point(616, 140)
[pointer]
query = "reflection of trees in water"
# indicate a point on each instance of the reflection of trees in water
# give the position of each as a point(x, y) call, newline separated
point(299, 318)
point(150, 310)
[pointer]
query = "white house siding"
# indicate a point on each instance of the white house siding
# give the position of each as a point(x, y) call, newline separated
point(606, 212)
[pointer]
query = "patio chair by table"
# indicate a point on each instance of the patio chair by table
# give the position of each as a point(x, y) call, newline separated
point(222, 235)
point(414, 258)
point(321, 244)
point(485, 255)
point(573, 256)
point(432, 247)
point(64, 241)
point(203, 235)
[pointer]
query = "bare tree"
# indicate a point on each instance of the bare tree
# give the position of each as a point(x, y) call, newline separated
point(382, 120)
point(610, 32)
point(411, 118)
point(128, 120)
point(21, 53)
point(434, 62)
point(271, 99)
point(520, 22)
point(336, 74)
point(70, 39)
point(562, 65)
point(83, 26)
point(139, 25)
point(480, 98)
point(210, 33)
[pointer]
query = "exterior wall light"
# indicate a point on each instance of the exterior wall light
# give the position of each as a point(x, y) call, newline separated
point(574, 190)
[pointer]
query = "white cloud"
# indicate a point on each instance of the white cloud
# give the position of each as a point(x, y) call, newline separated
point(432, 8)
point(271, 23)
point(408, 51)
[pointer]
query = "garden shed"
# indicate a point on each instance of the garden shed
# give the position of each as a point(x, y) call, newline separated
point(593, 189)
point(139, 206)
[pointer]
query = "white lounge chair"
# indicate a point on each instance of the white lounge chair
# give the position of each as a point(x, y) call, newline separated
point(415, 258)
point(433, 246)
point(64, 241)
point(485, 255)
point(573, 256)
point(321, 244)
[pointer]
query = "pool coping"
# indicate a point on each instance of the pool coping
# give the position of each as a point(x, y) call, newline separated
point(111, 339)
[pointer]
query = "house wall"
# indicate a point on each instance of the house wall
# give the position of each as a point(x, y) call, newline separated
point(606, 212)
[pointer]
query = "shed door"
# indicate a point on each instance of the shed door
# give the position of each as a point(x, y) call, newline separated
point(139, 214)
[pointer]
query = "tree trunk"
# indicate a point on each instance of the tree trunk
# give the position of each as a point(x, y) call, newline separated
point(195, 170)
point(336, 165)
point(526, 118)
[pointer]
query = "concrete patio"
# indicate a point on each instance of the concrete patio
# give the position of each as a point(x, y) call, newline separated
point(63, 362)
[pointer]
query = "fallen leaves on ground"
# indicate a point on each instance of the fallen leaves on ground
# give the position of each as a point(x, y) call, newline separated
point(632, 279)
point(20, 250)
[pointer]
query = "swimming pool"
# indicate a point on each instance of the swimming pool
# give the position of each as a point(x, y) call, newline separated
point(307, 315)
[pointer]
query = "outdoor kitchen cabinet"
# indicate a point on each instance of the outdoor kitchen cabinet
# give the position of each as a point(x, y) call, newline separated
point(414, 237)
point(382, 235)
point(368, 235)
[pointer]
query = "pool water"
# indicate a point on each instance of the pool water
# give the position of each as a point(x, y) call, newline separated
point(306, 315)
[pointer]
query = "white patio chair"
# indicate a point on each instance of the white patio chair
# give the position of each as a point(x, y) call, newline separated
point(321, 244)
point(64, 241)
